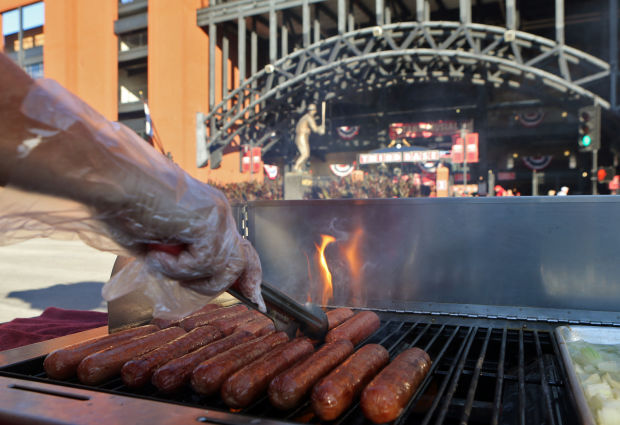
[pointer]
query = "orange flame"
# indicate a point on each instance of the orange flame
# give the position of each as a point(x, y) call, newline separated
point(328, 289)
point(354, 258)
point(352, 254)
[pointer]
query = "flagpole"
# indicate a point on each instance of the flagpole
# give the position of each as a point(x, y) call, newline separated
point(154, 137)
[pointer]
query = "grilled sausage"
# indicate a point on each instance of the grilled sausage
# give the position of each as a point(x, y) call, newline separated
point(162, 323)
point(209, 375)
point(384, 399)
point(356, 329)
point(335, 393)
point(176, 373)
point(258, 327)
point(287, 389)
point(338, 316)
point(166, 323)
point(137, 372)
point(248, 383)
point(103, 365)
point(207, 308)
point(63, 363)
point(229, 324)
point(202, 319)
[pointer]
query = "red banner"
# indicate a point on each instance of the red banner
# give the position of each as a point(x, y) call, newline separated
point(472, 148)
point(426, 129)
point(251, 160)
point(506, 175)
point(458, 177)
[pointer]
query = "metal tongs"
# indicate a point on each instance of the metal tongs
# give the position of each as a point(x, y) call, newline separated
point(287, 314)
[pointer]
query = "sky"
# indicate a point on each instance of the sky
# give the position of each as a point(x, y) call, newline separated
point(33, 15)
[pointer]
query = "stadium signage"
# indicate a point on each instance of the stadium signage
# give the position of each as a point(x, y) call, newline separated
point(407, 156)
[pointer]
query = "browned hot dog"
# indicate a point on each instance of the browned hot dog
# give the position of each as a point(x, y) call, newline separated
point(207, 308)
point(334, 318)
point(338, 316)
point(229, 324)
point(384, 399)
point(166, 323)
point(259, 326)
point(333, 394)
point(287, 389)
point(63, 363)
point(137, 372)
point(176, 373)
point(105, 364)
point(202, 319)
point(356, 329)
point(162, 323)
point(209, 375)
point(248, 383)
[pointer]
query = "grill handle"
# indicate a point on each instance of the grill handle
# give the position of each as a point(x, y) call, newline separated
point(287, 314)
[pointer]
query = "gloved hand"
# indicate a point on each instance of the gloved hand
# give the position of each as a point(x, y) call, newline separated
point(55, 144)
point(213, 257)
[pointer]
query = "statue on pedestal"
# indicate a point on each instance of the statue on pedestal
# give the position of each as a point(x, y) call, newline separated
point(305, 126)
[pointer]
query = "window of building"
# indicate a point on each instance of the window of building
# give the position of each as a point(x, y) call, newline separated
point(133, 40)
point(35, 70)
point(132, 81)
point(22, 31)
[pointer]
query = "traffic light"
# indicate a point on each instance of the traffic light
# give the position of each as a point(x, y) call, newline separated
point(589, 128)
point(605, 174)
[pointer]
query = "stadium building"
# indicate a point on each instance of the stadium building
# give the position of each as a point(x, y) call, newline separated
point(531, 86)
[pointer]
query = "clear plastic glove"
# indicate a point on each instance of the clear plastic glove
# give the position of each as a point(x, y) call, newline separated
point(100, 180)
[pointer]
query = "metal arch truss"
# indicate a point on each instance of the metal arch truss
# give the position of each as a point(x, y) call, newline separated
point(377, 57)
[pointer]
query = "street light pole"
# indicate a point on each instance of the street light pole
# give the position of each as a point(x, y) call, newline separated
point(463, 137)
point(593, 176)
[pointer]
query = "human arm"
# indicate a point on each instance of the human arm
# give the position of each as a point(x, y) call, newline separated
point(53, 143)
point(313, 125)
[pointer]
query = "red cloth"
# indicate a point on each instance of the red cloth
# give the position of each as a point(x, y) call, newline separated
point(52, 323)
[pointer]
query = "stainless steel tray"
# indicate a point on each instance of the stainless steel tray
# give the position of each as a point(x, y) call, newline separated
point(590, 334)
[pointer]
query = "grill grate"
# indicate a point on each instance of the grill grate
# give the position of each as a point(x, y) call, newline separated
point(482, 373)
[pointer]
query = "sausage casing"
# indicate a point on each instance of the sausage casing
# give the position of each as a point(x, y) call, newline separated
point(385, 397)
point(137, 372)
point(102, 365)
point(333, 394)
point(356, 329)
point(209, 375)
point(166, 323)
point(229, 324)
point(338, 316)
point(176, 373)
point(63, 363)
point(258, 327)
point(248, 383)
point(202, 319)
point(287, 389)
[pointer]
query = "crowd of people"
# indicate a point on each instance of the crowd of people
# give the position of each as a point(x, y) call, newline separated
point(251, 191)
point(370, 186)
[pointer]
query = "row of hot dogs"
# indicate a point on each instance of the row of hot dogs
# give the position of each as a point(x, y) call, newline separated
point(238, 353)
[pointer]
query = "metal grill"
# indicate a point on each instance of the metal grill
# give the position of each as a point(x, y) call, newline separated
point(483, 372)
